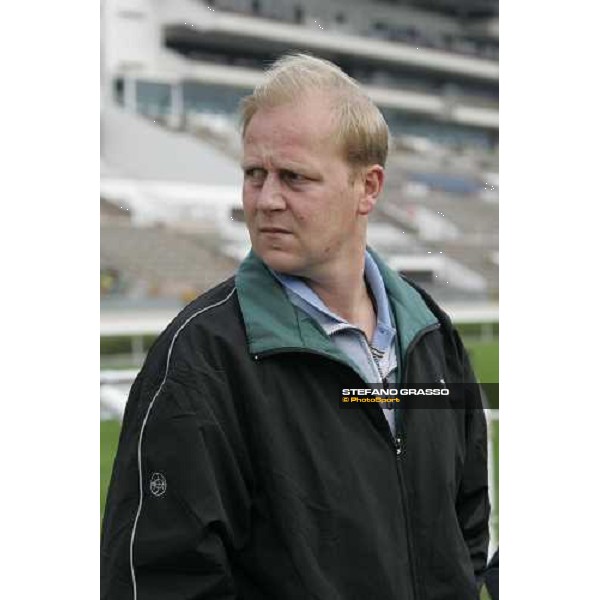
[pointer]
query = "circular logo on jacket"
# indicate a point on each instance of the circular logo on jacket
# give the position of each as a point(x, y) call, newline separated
point(158, 484)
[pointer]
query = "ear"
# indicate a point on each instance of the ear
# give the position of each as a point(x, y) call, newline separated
point(371, 180)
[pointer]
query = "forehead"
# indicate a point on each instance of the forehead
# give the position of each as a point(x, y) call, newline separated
point(305, 127)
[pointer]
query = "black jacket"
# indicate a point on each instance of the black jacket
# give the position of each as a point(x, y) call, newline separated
point(239, 476)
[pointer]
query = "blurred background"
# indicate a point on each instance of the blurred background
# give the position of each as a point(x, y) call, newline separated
point(173, 72)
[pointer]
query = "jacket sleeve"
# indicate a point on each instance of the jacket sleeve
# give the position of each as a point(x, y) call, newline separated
point(472, 504)
point(178, 503)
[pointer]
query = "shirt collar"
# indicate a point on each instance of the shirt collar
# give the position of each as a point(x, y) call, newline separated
point(301, 295)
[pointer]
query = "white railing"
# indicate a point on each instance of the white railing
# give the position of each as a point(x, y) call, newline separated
point(114, 390)
point(493, 418)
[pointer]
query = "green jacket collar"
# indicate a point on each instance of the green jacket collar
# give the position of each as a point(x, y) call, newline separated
point(273, 323)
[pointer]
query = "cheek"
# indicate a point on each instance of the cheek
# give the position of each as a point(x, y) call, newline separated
point(248, 202)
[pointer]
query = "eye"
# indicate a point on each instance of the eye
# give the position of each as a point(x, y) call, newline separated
point(254, 174)
point(292, 177)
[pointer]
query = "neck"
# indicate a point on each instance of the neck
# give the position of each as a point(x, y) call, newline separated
point(344, 292)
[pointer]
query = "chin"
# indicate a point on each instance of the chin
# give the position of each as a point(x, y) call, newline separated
point(281, 261)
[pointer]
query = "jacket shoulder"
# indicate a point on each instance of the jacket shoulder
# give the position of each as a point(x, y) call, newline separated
point(454, 351)
point(432, 305)
point(211, 314)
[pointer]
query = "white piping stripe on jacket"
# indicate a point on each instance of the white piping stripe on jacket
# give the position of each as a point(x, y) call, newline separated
point(139, 450)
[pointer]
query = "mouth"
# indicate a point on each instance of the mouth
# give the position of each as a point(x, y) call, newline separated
point(274, 230)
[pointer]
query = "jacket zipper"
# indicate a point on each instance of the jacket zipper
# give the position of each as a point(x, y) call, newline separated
point(396, 441)
point(409, 350)
point(398, 445)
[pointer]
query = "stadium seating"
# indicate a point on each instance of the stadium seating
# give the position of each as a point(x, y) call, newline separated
point(155, 261)
point(392, 22)
point(437, 201)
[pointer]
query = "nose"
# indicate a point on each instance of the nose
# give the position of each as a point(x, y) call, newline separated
point(270, 196)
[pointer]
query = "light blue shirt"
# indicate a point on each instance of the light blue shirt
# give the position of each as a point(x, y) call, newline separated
point(376, 361)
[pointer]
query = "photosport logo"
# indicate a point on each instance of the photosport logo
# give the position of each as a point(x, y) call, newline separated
point(158, 484)
point(437, 395)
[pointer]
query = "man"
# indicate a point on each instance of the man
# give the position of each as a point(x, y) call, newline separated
point(237, 474)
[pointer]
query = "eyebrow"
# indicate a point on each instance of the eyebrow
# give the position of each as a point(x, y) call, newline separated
point(293, 167)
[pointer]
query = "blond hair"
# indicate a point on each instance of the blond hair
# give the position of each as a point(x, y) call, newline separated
point(362, 132)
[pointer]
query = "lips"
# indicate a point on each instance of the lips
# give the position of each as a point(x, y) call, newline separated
point(273, 230)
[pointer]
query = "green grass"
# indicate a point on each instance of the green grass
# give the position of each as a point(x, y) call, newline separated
point(109, 438)
point(484, 356)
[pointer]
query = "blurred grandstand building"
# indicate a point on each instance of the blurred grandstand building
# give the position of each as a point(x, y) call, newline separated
point(173, 72)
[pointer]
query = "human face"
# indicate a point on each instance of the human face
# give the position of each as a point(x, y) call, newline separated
point(304, 212)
